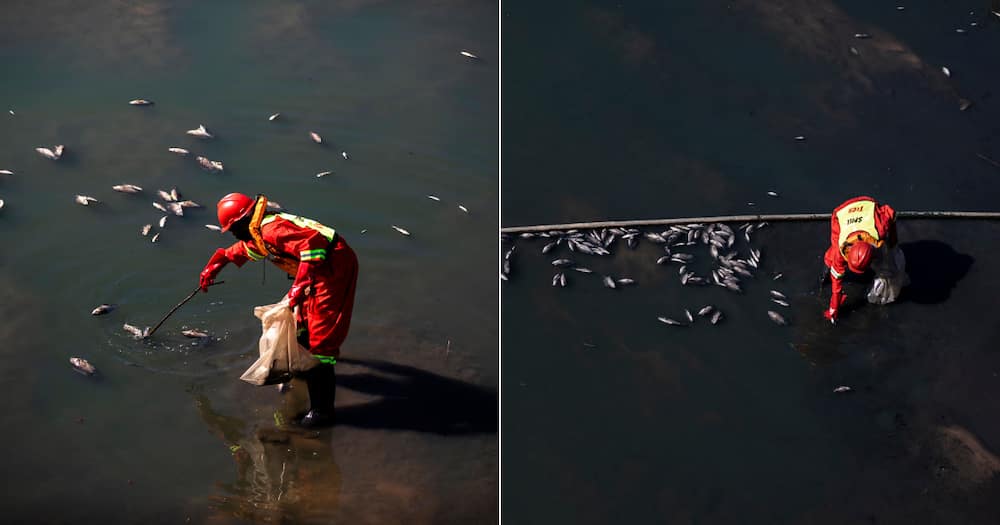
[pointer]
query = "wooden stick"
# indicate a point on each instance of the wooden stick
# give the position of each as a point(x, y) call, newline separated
point(174, 309)
point(742, 218)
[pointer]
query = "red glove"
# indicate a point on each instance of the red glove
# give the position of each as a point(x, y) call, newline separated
point(836, 301)
point(214, 266)
point(300, 287)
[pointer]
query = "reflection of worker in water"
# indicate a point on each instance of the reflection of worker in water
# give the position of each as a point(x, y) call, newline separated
point(863, 236)
point(283, 474)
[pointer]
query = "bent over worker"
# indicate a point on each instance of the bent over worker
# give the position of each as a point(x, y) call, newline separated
point(863, 236)
point(325, 270)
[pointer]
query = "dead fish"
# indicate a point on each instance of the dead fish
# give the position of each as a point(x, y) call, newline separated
point(273, 117)
point(687, 313)
point(323, 174)
point(81, 365)
point(434, 198)
point(284, 387)
point(798, 138)
point(189, 204)
point(842, 389)
point(174, 194)
point(344, 153)
point(705, 310)
point(133, 330)
point(213, 228)
point(964, 104)
point(777, 276)
point(210, 165)
point(155, 237)
point(6, 172)
point(163, 221)
point(102, 309)
point(468, 55)
point(463, 208)
point(562, 279)
point(176, 209)
point(772, 194)
point(777, 295)
point(609, 282)
point(160, 207)
point(959, 30)
point(716, 317)
point(663, 260)
point(273, 205)
point(47, 153)
point(779, 301)
point(145, 230)
point(625, 282)
point(549, 246)
point(58, 150)
point(555, 279)
point(200, 132)
point(776, 317)
point(316, 138)
point(669, 321)
point(140, 102)
point(400, 230)
point(180, 151)
point(509, 253)
point(581, 269)
point(854, 51)
point(194, 334)
point(946, 71)
point(562, 262)
point(85, 200)
point(127, 188)
point(862, 35)
point(165, 196)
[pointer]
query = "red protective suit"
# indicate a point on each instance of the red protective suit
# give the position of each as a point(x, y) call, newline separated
point(326, 311)
point(877, 224)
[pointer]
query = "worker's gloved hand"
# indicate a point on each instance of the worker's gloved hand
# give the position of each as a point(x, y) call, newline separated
point(303, 282)
point(830, 315)
point(214, 266)
point(836, 301)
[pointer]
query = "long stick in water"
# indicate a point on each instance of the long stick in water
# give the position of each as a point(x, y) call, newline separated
point(174, 309)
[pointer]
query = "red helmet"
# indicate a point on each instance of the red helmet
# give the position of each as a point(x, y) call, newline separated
point(232, 208)
point(859, 255)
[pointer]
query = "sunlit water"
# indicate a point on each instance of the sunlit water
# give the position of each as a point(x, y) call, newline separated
point(152, 437)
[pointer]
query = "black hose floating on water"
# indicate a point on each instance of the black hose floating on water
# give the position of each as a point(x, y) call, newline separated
point(741, 218)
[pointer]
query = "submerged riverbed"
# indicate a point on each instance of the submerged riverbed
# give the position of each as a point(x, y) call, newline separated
point(166, 431)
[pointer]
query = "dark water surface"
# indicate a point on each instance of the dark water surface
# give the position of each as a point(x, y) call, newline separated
point(616, 110)
point(167, 431)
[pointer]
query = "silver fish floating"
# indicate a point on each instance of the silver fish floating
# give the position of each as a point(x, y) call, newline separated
point(862, 36)
point(315, 137)
point(345, 155)
point(777, 295)
point(687, 313)
point(127, 188)
point(213, 228)
point(400, 230)
point(174, 194)
point(772, 194)
point(716, 317)
point(140, 102)
point(468, 55)
point(194, 334)
point(946, 71)
point(82, 366)
point(155, 237)
point(210, 165)
point(145, 229)
point(842, 389)
point(165, 196)
point(176, 209)
point(6, 172)
point(777, 318)
point(272, 118)
point(180, 151)
point(85, 200)
point(669, 321)
point(200, 132)
point(189, 204)
point(47, 153)
point(780, 302)
point(583, 270)
point(625, 282)
point(562, 262)
point(323, 174)
point(705, 310)
point(138, 334)
point(663, 260)
point(160, 207)
point(777, 276)
point(463, 208)
point(608, 282)
point(434, 198)
point(163, 221)
point(102, 309)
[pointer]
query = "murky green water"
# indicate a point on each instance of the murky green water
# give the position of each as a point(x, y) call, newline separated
point(149, 440)
point(653, 110)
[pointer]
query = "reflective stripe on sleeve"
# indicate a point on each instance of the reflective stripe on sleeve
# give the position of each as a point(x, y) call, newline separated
point(254, 256)
point(326, 359)
point(835, 274)
point(312, 255)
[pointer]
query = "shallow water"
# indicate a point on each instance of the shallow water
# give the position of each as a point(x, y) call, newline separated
point(690, 109)
point(150, 437)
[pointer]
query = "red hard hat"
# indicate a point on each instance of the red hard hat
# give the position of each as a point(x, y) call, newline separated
point(859, 255)
point(232, 208)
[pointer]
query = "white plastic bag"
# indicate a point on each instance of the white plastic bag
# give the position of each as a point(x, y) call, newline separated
point(280, 352)
point(890, 276)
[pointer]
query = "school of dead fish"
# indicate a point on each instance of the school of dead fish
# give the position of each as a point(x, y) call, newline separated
point(729, 272)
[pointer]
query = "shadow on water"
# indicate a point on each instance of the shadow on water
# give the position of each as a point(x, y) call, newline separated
point(415, 399)
point(934, 269)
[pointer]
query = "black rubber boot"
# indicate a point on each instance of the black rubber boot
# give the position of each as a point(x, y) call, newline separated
point(321, 382)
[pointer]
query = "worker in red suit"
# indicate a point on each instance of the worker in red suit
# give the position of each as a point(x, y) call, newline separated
point(863, 237)
point(325, 270)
